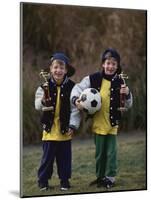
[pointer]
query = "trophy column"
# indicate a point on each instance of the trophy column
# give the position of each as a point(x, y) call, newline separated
point(122, 107)
point(45, 86)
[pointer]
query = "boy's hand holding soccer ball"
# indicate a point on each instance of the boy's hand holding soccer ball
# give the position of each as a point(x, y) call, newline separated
point(78, 104)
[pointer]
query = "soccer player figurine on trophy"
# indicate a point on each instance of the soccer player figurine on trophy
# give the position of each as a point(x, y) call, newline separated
point(122, 107)
point(45, 86)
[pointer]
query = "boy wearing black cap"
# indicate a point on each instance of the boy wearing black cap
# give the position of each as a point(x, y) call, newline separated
point(105, 122)
point(56, 133)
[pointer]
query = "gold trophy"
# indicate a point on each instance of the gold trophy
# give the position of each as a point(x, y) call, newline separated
point(122, 107)
point(45, 86)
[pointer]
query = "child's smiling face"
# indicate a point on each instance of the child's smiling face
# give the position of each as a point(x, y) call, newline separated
point(58, 70)
point(110, 66)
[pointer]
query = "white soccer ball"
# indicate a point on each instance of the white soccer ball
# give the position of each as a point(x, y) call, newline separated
point(90, 99)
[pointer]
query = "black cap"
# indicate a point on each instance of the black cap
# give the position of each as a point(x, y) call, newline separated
point(65, 59)
point(112, 53)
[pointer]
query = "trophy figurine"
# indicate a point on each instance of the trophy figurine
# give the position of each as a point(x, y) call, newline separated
point(122, 107)
point(45, 87)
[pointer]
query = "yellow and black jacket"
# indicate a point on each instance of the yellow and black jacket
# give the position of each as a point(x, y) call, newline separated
point(105, 85)
point(60, 101)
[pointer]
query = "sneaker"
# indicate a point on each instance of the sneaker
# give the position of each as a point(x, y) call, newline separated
point(64, 185)
point(100, 183)
point(43, 186)
point(95, 182)
point(108, 183)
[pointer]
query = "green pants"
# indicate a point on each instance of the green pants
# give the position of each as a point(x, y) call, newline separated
point(106, 155)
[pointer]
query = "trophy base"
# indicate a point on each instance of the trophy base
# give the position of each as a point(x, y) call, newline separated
point(122, 109)
point(47, 108)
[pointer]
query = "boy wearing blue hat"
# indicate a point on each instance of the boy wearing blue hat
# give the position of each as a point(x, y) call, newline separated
point(56, 133)
point(104, 122)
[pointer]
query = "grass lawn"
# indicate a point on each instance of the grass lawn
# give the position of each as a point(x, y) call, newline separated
point(131, 167)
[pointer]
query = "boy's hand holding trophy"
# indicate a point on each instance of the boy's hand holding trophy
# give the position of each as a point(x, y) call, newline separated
point(124, 90)
point(46, 101)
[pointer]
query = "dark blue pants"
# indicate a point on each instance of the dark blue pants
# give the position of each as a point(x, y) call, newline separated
point(59, 150)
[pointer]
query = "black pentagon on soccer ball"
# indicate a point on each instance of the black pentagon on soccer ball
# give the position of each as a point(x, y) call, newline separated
point(94, 91)
point(83, 97)
point(94, 103)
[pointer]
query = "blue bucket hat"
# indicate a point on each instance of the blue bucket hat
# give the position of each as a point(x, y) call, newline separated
point(65, 59)
point(112, 53)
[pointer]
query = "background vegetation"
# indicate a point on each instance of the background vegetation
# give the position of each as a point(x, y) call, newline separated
point(83, 33)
